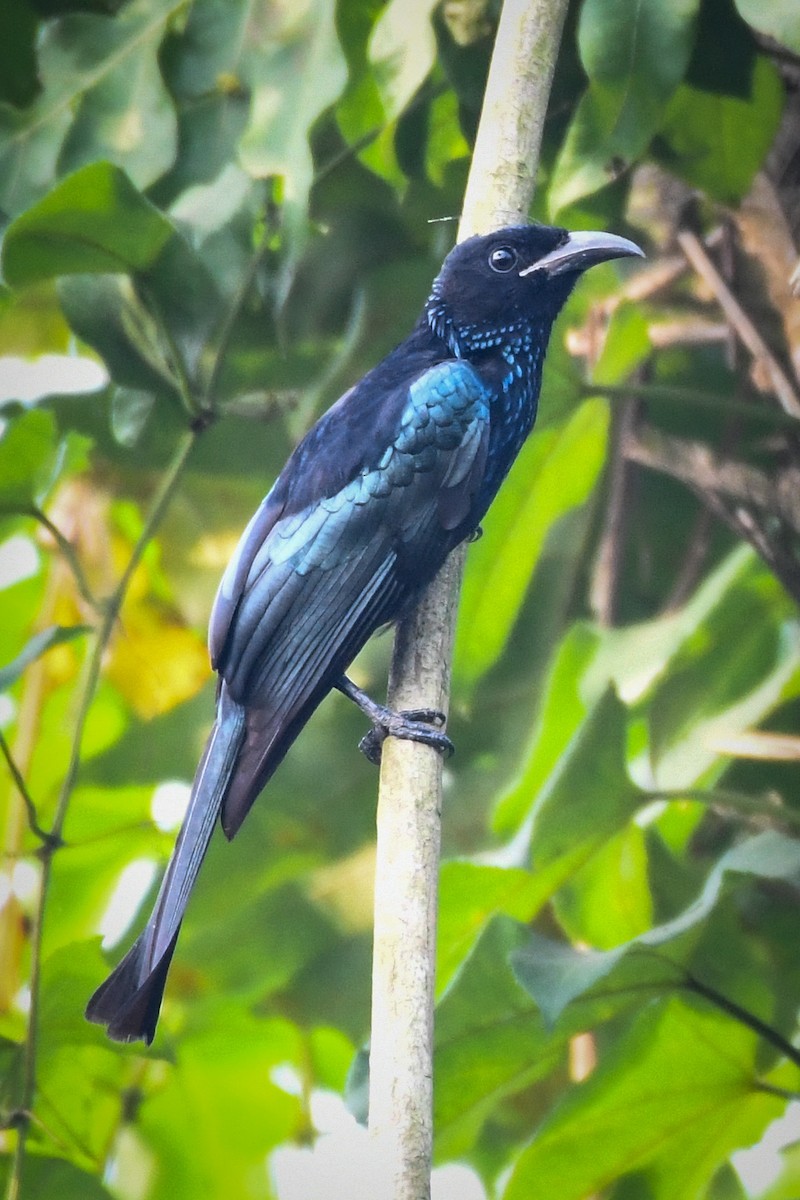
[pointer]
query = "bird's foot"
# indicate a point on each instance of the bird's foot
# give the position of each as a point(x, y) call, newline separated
point(476, 534)
point(414, 725)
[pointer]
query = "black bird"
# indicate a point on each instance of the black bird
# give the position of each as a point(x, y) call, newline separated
point(394, 475)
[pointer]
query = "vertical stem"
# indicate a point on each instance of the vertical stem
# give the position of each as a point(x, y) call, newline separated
point(88, 686)
point(499, 192)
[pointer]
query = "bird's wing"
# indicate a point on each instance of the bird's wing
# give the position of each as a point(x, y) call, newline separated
point(307, 588)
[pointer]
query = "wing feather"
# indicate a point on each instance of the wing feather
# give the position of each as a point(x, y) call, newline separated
point(307, 588)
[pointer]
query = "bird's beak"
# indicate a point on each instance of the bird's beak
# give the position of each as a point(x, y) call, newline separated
point(582, 250)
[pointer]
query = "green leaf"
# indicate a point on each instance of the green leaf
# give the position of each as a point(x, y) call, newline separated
point(294, 76)
point(711, 695)
point(211, 1124)
point(93, 221)
point(636, 657)
point(470, 894)
point(103, 97)
point(557, 973)
point(718, 142)
point(585, 163)
point(446, 141)
point(106, 830)
point(56, 635)
point(688, 1081)
point(589, 796)
point(779, 19)
point(69, 976)
point(31, 322)
point(554, 473)
point(130, 409)
point(563, 708)
point(490, 1041)
point(11, 1065)
point(635, 53)
point(27, 458)
point(18, 83)
point(626, 346)
point(402, 50)
point(608, 901)
point(44, 1177)
point(106, 312)
point(78, 1100)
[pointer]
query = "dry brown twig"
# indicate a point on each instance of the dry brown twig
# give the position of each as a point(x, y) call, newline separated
point(741, 323)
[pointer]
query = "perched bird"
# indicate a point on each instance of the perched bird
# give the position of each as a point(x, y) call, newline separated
point(394, 475)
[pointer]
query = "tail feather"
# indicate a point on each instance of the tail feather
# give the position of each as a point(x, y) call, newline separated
point(128, 1002)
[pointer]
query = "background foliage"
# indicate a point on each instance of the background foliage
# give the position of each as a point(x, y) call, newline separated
point(228, 204)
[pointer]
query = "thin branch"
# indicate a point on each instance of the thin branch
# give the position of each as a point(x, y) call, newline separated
point(178, 374)
point(88, 685)
point(694, 560)
point(68, 552)
point(228, 325)
point(772, 1089)
point(767, 810)
point(740, 322)
point(744, 1017)
point(735, 492)
point(263, 406)
point(499, 192)
point(694, 398)
point(703, 468)
point(33, 817)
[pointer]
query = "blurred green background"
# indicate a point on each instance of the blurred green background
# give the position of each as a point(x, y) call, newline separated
point(217, 214)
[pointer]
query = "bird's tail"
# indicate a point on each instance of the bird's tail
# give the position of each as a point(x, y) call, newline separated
point(128, 1002)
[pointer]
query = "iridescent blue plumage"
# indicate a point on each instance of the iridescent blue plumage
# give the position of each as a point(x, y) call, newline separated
point(398, 472)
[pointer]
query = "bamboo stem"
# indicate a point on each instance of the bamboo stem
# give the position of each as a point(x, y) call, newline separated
point(499, 192)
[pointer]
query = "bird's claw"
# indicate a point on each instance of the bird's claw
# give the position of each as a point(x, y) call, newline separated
point(413, 725)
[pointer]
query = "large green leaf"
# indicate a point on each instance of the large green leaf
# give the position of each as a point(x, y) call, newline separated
point(625, 347)
point(637, 656)
point(676, 1095)
point(102, 97)
point(294, 75)
point(470, 894)
point(557, 973)
point(402, 50)
point(608, 900)
point(555, 472)
point(589, 796)
point(718, 142)
point(635, 53)
point(490, 1041)
point(219, 1111)
point(94, 221)
point(563, 708)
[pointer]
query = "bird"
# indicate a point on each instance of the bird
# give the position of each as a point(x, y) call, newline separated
point(390, 479)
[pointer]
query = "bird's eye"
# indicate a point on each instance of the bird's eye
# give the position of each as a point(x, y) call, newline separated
point(503, 259)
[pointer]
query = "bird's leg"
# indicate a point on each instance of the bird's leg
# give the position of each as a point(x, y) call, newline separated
point(414, 724)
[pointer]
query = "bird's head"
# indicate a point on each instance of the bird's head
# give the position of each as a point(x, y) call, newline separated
point(519, 275)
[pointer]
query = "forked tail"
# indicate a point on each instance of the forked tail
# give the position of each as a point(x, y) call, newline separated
point(128, 1002)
